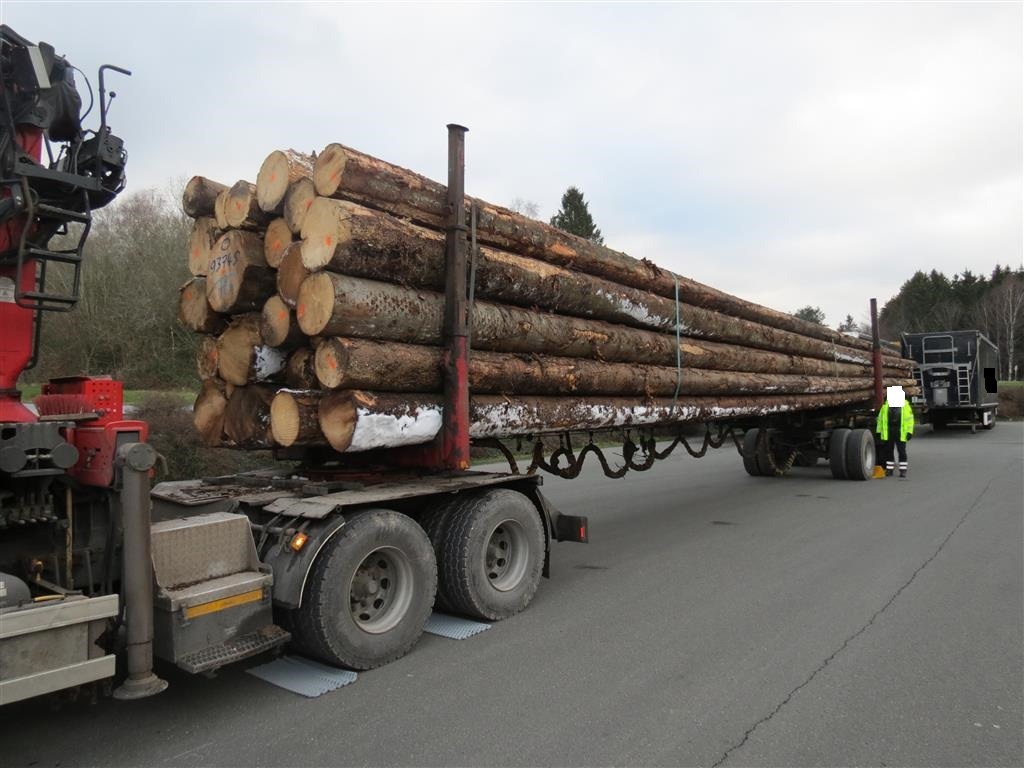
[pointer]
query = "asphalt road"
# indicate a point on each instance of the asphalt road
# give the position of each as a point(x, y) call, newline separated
point(715, 619)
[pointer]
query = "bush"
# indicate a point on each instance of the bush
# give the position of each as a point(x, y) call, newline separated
point(1011, 399)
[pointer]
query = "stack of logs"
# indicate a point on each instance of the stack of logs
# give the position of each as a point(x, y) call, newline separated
point(319, 294)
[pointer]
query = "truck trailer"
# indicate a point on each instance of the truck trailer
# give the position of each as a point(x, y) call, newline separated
point(341, 555)
point(956, 372)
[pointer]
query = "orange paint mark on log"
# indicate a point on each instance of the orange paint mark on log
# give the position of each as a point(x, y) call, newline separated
point(238, 206)
point(328, 240)
point(282, 315)
point(336, 175)
point(300, 310)
point(273, 178)
point(309, 204)
point(332, 363)
point(276, 245)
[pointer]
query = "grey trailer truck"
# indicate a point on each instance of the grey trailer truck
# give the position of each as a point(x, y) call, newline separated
point(956, 371)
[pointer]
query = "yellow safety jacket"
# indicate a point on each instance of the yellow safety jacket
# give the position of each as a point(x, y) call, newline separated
point(906, 422)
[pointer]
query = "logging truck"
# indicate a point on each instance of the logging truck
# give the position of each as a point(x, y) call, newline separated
point(364, 389)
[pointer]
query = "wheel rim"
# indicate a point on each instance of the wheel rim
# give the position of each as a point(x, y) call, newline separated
point(381, 590)
point(506, 556)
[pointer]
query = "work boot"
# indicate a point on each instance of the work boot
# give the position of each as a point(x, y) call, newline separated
point(903, 474)
point(888, 473)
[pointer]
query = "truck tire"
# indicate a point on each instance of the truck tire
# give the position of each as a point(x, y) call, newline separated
point(434, 521)
point(860, 455)
point(750, 462)
point(837, 452)
point(369, 592)
point(493, 555)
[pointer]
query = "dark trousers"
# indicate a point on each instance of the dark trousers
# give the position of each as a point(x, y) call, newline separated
point(898, 446)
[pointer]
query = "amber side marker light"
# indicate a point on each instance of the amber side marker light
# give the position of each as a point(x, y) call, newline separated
point(298, 541)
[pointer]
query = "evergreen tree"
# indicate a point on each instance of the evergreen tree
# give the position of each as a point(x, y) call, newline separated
point(574, 217)
point(811, 314)
point(848, 325)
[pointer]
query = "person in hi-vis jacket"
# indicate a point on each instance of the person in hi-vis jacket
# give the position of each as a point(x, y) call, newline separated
point(895, 426)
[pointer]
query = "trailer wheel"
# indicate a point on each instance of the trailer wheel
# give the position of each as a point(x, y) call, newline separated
point(750, 462)
point(837, 452)
point(369, 592)
point(860, 455)
point(493, 555)
point(434, 521)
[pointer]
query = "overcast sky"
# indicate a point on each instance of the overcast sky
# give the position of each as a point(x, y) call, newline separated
point(789, 153)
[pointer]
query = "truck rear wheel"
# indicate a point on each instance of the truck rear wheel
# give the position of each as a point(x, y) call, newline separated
point(493, 555)
point(837, 452)
point(860, 455)
point(750, 462)
point(369, 592)
point(434, 521)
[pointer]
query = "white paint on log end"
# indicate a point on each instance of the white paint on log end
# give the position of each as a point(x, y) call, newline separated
point(383, 430)
point(267, 361)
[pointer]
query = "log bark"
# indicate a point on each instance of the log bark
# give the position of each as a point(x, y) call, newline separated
point(199, 196)
point(241, 210)
point(206, 357)
point(355, 420)
point(355, 240)
point(276, 241)
point(242, 355)
point(291, 273)
point(208, 411)
point(239, 279)
point(359, 364)
point(297, 202)
point(278, 326)
point(338, 305)
point(200, 244)
point(194, 310)
point(300, 372)
point(294, 418)
point(348, 174)
point(247, 418)
point(279, 170)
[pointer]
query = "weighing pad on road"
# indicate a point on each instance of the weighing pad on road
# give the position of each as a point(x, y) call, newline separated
point(303, 676)
point(453, 627)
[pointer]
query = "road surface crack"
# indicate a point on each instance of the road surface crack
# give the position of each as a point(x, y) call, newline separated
point(749, 732)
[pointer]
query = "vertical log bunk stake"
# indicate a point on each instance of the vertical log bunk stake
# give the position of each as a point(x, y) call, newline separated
point(455, 358)
point(876, 355)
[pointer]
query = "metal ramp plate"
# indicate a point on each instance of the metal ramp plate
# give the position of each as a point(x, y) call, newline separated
point(453, 627)
point(303, 676)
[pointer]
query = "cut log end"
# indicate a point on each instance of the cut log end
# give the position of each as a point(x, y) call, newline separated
point(276, 241)
point(206, 357)
point(315, 304)
point(277, 324)
point(241, 204)
point(291, 273)
point(272, 182)
point(199, 196)
point(208, 412)
point(284, 419)
point(329, 168)
point(338, 420)
point(326, 228)
point(297, 203)
point(331, 363)
point(204, 232)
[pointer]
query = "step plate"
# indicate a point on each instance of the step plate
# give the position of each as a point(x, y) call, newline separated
point(234, 650)
point(303, 676)
point(453, 627)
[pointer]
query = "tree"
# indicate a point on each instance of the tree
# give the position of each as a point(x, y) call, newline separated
point(811, 314)
point(848, 325)
point(574, 217)
point(125, 323)
point(1001, 315)
point(526, 207)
